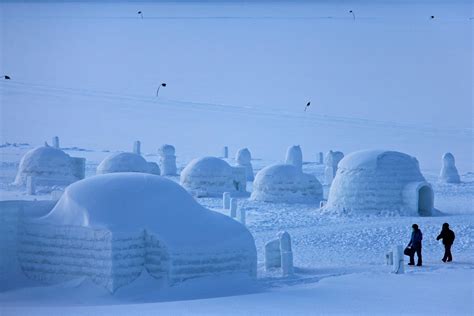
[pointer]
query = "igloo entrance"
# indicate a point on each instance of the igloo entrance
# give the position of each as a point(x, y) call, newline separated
point(425, 201)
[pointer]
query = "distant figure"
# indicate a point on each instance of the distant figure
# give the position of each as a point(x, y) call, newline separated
point(415, 245)
point(447, 235)
point(307, 105)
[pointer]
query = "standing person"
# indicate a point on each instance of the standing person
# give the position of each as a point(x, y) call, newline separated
point(447, 235)
point(415, 245)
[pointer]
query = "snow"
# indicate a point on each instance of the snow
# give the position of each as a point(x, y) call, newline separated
point(123, 162)
point(110, 228)
point(167, 160)
point(380, 181)
point(48, 166)
point(239, 75)
point(286, 184)
point(449, 172)
point(244, 159)
point(211, 176)
point(294, 156)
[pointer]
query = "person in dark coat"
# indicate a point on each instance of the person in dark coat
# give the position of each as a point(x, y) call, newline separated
point(415, 245)
point(447, 235)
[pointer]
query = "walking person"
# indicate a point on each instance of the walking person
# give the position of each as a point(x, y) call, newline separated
point(415, 245)
point(447, 235)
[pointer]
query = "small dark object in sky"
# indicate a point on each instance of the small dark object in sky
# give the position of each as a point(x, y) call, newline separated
point(140, 13)
point(307, 105)
point(432, 16)
point(353, 15)
point(6, 77)
point(163, 84)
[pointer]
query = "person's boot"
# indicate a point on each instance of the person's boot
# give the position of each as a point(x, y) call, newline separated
point(411, 263)
point(418, 264)
point(444, 259)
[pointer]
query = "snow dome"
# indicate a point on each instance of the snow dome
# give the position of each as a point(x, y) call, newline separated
point(211, 176)
point(117, 225)
point(124, 162)
point(244, 159)
point(449, 172)
point(294, 156)
point(375, 181)
point(49, 166)
point(285, 183)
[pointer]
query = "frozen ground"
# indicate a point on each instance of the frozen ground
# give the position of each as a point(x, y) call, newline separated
point(240, 75)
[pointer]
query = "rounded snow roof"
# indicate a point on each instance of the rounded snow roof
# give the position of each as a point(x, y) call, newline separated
point(45, 162)
point(207, 167)
point(44, 157)
point(286, 183)
point(374, 159)
point(123, 162)
point(131, 202)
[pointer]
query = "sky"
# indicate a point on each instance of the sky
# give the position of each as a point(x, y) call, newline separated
point(239, 74)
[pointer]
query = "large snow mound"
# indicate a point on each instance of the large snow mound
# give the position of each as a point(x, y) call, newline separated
point(130, 202)
point(211, 176)
point(123, 162)
point(285, 183)
point(380, 181)
point(109, 228)
point(46, 164)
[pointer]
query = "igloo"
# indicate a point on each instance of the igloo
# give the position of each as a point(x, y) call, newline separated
point(110, 228)
point(127, 162)
point(376, 181)
point(244, 159)
point(49, 166)
point(331, 162)
point(294, 156)
point(167, 160)
point(211, 177)
point(285, 183)
point(449, 172)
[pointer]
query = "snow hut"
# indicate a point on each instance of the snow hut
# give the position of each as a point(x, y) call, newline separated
point(375, 181)
point(294, 156)
point(126, 162)
point(285, 183)
point(167, 160)
point(244, 159)
point(449, 172)
point(116, 226)
point(211, 176)
point(49, 166)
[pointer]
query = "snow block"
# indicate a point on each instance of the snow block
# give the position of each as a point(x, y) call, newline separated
point(137, 147)
point(56, 142)
point(167, 160)
point(244, 159)
point(233, 208)
point(294, 156)
point(30, 186)
point(331, 162)
point(225, 152)
point(449, 172)
point(398, 266)
point(226, 200)
point(272, 254)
